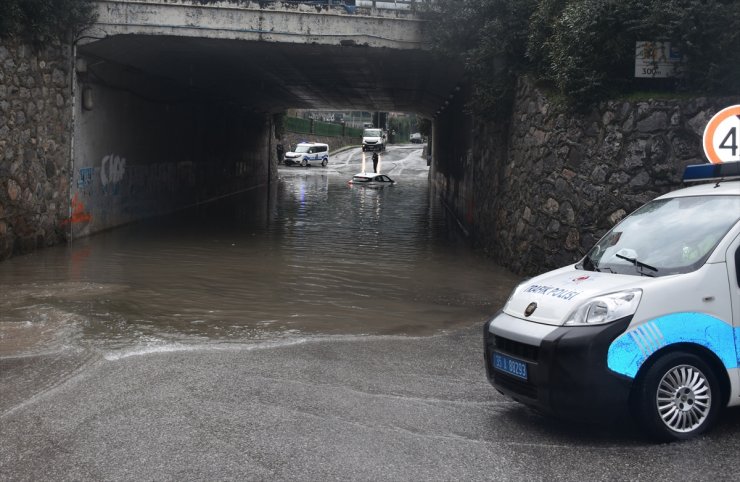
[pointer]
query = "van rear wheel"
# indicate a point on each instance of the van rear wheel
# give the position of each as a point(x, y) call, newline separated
point(678, 398)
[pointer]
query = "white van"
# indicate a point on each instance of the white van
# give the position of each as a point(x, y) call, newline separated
point(306, 152)
point(373, 140)
point(648, 320)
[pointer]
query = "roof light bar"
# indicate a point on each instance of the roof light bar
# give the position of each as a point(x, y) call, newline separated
point(712, 172)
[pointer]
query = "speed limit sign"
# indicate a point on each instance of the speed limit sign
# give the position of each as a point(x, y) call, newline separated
point(722, 136)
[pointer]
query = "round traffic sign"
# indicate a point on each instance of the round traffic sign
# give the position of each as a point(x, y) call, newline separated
point(722, 136)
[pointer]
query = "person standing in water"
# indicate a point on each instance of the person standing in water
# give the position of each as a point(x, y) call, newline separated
point(375, 162)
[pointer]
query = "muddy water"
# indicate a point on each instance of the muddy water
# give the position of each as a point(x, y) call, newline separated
point(312, 257)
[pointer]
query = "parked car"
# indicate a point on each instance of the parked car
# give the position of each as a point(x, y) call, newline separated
point(416, 138)
point(306, 152)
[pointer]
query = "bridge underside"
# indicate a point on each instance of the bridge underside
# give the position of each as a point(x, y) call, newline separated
point(270, 76)
point(173, 99)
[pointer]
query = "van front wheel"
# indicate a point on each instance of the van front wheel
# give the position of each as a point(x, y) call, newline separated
point(324, 162)
point(678, 398)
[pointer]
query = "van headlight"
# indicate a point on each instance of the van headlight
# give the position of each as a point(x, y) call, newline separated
point(605, 308)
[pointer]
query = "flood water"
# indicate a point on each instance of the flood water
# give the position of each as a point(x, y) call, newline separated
point(312, 256)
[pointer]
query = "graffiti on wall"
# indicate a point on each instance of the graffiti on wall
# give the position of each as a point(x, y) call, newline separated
point(112, 170)
point(84, 183)
point(79, 215)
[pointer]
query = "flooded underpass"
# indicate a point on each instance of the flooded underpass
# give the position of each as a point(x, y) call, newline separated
point(310, 256)
point(313, 331)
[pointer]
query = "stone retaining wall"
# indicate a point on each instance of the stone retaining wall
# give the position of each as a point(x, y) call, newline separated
point(35, 120)
point(564, 179)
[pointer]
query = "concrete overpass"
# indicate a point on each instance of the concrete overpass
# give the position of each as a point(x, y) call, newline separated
point(269, 58)
point(173, 99)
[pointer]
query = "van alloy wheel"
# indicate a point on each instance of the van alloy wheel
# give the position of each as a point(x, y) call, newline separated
point(684, 398)
point(677, 397)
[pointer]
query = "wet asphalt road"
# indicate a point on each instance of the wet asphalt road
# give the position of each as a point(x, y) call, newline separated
point(311, 405)
point(324, 408)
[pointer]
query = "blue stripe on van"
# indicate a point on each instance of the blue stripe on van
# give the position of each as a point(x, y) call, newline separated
point(628, 352)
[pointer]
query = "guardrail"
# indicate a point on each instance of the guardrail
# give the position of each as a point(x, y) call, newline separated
point(387, 5)
point(308, 126)
point(351, 5)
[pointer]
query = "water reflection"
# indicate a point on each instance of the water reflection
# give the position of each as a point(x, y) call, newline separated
point(313, 256)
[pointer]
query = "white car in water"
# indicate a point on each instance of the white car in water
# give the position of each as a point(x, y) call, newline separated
point(371, 179)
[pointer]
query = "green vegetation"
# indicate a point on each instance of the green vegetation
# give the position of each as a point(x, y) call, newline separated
point(400, 127)
point(43, 21)
point(585, 49)
point(303, 126)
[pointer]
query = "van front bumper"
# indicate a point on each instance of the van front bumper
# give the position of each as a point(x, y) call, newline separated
point(566, 370)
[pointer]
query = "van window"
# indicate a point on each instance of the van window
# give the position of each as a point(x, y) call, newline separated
point(372, 133)
point(665, 236)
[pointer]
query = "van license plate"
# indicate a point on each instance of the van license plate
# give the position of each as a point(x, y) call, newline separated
point(509, 365)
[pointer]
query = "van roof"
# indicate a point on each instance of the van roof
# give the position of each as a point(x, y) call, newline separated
point(312, 144)
point(714, 188)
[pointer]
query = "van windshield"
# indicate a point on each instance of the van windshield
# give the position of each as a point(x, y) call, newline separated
point(372, 133)
point(666, 236)
point(301, 149)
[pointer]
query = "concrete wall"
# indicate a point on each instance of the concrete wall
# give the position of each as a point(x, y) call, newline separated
point(537, 193)
point(67, 171)
point(288, 22)
point(136, 158)
point(35, 115)
point(451, 148)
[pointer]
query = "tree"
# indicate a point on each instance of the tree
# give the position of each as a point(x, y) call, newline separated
point(584, 48)
point(42, 21)
point(489, 37)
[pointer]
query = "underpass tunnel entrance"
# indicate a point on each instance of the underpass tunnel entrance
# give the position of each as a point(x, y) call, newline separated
point(164, 122)
point(147, 143)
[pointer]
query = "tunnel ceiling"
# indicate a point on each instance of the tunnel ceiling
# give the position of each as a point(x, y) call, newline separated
point(271, 77)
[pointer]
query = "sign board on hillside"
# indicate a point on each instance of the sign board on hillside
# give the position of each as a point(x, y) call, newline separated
point(722, 136)
point(656, 59)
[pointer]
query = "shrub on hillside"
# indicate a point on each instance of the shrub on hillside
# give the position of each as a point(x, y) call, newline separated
point(591, 45)
point(586, 48)
point(489, 37)
point(42, 21)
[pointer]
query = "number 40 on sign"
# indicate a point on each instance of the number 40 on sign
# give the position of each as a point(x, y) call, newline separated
point(722, 135)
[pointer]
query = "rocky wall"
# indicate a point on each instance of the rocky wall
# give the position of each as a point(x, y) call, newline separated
point(539, 193)
point(35, 133)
